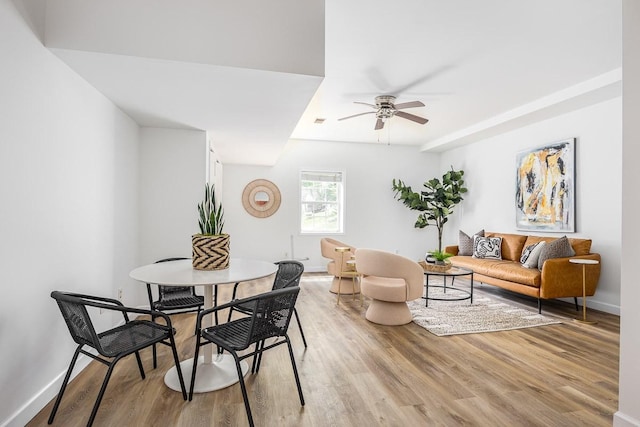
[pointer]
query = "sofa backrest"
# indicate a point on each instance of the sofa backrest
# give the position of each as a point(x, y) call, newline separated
point(512, 245)
point(580, 246)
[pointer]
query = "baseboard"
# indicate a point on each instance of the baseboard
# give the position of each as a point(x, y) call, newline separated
point(623, 420)
point(596, 305)
point(30, 409)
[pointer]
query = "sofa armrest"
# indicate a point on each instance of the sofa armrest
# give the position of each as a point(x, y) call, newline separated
point(561, 278)
point(453, 250)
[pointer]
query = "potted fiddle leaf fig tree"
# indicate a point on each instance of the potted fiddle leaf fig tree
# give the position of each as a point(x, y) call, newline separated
point(436, 202)
point(211, 245)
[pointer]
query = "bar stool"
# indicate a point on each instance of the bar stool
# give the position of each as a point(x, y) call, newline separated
point(351, 271)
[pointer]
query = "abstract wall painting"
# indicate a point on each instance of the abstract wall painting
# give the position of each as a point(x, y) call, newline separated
point(545, 188)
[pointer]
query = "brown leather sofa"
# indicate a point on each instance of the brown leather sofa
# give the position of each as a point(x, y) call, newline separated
point(558, 278)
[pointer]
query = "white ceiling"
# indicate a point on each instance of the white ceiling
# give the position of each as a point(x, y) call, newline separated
point(254, 75)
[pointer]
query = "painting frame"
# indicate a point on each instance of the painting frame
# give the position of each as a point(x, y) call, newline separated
point(545, 188)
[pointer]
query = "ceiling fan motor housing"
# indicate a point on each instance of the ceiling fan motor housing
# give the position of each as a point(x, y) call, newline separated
point(386, 109)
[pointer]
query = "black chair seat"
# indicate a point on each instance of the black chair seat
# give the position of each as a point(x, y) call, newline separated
point(174, 300)
point(113, 344)
point(269, 318)
point(179, 302)
point(288, 275)
point(132, 336)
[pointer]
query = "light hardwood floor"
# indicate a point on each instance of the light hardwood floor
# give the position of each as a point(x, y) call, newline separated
point(356, 373)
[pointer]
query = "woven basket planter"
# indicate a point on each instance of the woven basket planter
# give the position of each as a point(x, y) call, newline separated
point(210, 252)
point(436, 268)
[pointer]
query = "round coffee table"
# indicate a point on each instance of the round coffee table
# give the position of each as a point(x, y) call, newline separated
point(453, 272)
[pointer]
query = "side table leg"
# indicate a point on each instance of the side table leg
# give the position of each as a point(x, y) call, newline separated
point(584, 298)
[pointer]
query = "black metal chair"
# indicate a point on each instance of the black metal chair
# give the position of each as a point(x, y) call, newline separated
point(115, 343)
point(288, 275)
point(269, 318)
point(174, 300)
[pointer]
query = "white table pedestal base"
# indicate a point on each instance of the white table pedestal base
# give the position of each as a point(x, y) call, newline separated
point(210, 376)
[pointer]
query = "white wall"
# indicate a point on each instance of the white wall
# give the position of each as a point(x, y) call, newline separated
point(173, 172)
point(373, 218)
point(629, 384)
point(489, 167)
point(68, 186)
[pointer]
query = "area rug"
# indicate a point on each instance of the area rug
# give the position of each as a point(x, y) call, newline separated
point(443, 318)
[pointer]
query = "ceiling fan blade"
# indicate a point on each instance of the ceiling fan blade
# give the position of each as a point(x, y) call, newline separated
point(379, 124)
point(356, 115)
point(422, 79)
point(412, 117)
point(411, 104)
point(365, 103)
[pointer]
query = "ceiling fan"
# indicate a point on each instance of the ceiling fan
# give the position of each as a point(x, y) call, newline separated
point(386, 108)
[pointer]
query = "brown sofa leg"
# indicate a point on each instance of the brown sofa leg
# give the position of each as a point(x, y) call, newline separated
point(539, 306)
point(575, 301)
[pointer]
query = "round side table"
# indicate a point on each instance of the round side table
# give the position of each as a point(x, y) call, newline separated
point(584, 263)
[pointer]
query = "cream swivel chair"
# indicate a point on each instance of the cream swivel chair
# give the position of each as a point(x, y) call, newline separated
point(390, 281)
point(338, 264)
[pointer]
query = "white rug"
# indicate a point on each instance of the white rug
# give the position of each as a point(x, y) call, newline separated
point(443, 318)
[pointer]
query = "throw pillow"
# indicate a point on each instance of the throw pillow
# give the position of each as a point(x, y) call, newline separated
point(487, 247)
point(559, 248)
point(531, 254)
point(465, 243)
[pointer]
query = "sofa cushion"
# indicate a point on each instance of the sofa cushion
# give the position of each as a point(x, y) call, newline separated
point(581, 246)
point(512, 245)
point(531, 254)
point(500, 269)
point(487, 247)
point(558, 248)
point(465, 242)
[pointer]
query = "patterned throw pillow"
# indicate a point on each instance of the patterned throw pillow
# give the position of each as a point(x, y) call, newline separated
point(487, 247)
point(465, 243)
point(531, 254)
point(559, 248)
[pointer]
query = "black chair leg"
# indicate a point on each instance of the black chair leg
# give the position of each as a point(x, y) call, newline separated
point(300, 327)
point(243, 387)
point(155, 357)
point(295, 371)
point(140, 364)
point(193, 369)
point(64, 385)
point(176, 360)
point(96, 405)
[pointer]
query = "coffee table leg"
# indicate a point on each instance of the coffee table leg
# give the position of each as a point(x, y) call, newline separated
point(471, 288)
point(426, 292)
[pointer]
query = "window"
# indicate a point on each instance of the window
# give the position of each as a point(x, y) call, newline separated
point(321, 202)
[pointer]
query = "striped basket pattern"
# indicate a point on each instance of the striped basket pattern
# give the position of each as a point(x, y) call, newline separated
point(210, 252)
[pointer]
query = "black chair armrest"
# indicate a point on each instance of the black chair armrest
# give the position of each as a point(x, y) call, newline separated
point(116, 305)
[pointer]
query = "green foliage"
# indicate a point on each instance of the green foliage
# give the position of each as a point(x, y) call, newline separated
point(436, 202)
point(440, 256)
point(211, 214)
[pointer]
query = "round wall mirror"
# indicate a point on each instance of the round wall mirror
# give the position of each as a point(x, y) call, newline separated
point(261, 198)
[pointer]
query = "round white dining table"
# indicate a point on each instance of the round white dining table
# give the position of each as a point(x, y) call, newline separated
point(220, 371)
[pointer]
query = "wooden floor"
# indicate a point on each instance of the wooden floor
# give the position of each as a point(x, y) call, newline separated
point(356, 373)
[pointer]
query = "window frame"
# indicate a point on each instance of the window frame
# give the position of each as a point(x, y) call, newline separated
point(341, 202)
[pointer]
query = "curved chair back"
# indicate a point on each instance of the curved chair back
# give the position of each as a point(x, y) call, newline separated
point(328, 249)
point(372, 262)
point(289, 273)
point(76, 316)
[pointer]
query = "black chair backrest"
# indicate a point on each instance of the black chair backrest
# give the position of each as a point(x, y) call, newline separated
point(166, 292)
point(272, 314)
point(288, 274)
point(76, 316)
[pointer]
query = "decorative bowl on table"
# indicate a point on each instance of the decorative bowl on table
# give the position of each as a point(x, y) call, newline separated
point(437, 268)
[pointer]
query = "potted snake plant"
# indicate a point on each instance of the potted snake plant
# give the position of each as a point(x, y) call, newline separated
point(210, 247)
